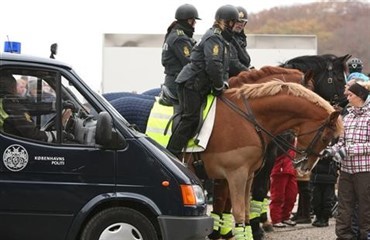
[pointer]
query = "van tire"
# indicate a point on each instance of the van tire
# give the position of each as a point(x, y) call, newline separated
point(119, 223)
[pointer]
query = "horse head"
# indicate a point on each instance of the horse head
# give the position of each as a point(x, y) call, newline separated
point(313, 141)
point(329, 73)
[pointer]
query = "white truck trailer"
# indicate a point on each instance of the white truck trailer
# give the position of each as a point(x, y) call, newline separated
point(132, 62)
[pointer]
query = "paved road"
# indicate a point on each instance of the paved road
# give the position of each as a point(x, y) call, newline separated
point(304, 232)
point(301, 232)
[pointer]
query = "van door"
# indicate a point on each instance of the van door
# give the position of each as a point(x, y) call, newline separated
point(45, 182)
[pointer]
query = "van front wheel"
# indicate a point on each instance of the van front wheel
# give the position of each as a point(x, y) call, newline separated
point(119, 223)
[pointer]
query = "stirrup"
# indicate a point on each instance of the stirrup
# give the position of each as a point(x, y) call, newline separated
point(227, 223)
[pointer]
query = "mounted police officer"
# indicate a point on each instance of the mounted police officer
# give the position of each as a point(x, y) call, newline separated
point(240, 59)
point(176, 50)
point(207, 72)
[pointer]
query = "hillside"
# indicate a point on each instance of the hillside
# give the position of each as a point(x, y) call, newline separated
point(341, 27)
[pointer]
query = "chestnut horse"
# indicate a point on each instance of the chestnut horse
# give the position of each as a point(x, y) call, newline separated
point(255, 114)
point(221, 200)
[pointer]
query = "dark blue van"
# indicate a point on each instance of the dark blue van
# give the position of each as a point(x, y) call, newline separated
point(94, 176)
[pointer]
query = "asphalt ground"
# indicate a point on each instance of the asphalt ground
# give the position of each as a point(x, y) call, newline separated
point(304, 232)
point(301, 231)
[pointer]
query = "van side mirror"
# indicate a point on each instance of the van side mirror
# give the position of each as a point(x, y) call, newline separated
point(103, 135)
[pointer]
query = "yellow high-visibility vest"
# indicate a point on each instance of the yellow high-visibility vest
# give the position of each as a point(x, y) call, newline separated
point(3, 115)
point(159, 118)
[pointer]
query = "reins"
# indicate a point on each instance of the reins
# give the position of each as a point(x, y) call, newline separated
point(251, 118)
point(279, 142)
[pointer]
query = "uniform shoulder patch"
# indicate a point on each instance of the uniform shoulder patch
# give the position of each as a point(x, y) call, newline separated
point(186, 51)
point(215, 50)
point(217, 31)
point(180, 32)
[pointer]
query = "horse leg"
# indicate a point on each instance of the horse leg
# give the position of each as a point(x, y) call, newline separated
point(227, 220)
point(220, 196)
point(240, 187)
point(222, 207)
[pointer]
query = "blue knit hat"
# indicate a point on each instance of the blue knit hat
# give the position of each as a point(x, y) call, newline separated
point(358, 75)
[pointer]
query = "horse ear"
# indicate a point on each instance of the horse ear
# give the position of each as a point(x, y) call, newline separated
point(345, 58)
point(308, 80)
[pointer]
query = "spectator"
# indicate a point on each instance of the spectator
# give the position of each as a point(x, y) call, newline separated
point(283, 187)
point(352, 150)
point(22, 85)
point(303, 214)
point(323, 180)
point(354, 69)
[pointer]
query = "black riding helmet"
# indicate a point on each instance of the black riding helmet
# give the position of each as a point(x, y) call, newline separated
point(227, 13)
point(243, 15)
point(186, 11)
point(355, 65)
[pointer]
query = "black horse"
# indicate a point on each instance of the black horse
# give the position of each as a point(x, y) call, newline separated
point(329, 74)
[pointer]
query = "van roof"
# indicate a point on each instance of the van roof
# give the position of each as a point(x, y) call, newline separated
point(32, 59)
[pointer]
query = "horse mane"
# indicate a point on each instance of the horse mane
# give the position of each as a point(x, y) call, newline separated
point(272, 88)
point(306, 62)
point(250, 91)
point(254, 75)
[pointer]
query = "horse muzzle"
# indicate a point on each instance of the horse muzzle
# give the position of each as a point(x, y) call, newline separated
point(303, 166)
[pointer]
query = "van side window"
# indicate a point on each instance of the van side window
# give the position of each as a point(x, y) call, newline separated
point(43, 105)
point(20, 110)
point(82, 122)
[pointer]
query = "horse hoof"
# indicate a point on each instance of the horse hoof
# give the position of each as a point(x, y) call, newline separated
point(214, 235)
point(228, 235)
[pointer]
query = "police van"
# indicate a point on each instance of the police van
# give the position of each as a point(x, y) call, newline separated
point(99, 178)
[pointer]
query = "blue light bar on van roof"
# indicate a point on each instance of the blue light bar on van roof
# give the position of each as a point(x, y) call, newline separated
point(12, 47)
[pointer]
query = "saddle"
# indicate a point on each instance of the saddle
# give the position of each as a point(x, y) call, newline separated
point(160, 123)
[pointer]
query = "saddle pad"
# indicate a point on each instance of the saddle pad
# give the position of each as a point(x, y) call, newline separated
point(160, 116)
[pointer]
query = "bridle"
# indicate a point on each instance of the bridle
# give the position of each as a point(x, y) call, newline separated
point(249, 116)
point(330, 80)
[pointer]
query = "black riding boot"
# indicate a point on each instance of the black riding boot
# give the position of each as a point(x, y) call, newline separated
point(177, 144)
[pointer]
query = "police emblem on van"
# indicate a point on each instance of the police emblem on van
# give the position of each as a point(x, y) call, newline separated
point(15, 158)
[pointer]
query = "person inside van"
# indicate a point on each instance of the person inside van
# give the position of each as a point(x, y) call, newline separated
point(14, 117)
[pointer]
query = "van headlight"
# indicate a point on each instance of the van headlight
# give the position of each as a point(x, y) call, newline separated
point(192, 195)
